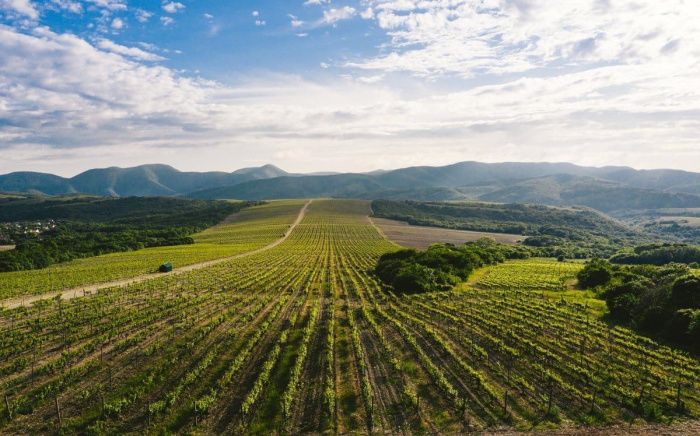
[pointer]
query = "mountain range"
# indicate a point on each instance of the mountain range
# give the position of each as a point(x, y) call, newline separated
point(140, 181)
point(603, 188)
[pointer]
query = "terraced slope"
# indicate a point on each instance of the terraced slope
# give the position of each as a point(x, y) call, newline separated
point(299, 338)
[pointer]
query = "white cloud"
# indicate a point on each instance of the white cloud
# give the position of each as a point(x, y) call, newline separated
point(333, 15)
point(367, 14)
point(208, 16)
point(20, 7)
point(316, 2)
point(68, 5)
point(471, 38)
point(67, 104)
point(132, 52)
point(173, 7)
point(109, 5)
point(255, 13)
point(142, 16)
point(117, 24)
point(295, 21)
point(167, 21)
point(260, 22)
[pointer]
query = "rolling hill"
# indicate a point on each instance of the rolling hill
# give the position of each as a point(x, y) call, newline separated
point(605, 188)
point(144, 180)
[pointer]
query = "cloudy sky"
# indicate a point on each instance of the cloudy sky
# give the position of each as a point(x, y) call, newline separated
point(347, 85)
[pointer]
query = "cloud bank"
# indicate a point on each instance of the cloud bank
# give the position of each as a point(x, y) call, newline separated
point(594, 82)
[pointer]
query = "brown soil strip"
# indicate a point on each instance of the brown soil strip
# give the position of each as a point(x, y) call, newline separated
point(422, 237)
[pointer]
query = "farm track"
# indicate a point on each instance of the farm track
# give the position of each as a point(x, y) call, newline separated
point(301, 338)
point(82, 291)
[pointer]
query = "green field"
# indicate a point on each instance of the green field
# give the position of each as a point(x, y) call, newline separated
point(253, 228)
point(530, 275)
point(300, 338)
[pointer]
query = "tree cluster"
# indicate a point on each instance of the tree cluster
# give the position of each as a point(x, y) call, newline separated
point(662, 301)
point(658, 254)
point(441, 266)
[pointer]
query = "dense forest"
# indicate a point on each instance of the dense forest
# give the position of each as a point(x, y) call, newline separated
point(574, 233)
point(52, 230)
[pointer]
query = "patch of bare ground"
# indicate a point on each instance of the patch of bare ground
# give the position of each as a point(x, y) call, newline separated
point(677, 428)
point(422, 237)
point(7, 247)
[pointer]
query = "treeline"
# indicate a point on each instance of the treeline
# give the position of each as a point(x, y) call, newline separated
point(661, 301)
point(573, 233)
point(87, 226)
point(658, 254)
point(441, 266)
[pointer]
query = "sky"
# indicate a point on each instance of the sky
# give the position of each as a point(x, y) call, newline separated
point(347, 85)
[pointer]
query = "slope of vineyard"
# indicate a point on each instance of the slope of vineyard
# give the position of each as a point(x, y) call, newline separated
point(300, 338)
point(253, 228)
point(530, 274)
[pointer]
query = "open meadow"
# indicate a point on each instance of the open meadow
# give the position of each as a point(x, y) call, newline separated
point(301, 338)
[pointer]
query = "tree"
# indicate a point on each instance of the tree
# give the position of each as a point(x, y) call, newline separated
point(622, 298)
point(685, 293)
point(597, 272)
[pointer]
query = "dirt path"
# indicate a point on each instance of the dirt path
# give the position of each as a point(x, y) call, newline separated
point(381, 232)
point(80, 291)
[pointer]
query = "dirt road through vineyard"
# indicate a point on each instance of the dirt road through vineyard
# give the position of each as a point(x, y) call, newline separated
point(80, 291)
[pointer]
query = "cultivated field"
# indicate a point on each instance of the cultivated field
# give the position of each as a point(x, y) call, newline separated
point(254, 228)
point(422, 237)
point(683, 221)
point(530, 275)
point(300, 338)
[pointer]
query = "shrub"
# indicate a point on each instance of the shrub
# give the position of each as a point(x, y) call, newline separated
point(597, 272)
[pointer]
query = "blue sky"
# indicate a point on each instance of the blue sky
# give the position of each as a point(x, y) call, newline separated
point(347, 85)
point(224, 40)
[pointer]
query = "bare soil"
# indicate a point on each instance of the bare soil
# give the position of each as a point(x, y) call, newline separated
point(422, 237)
point(678, 428)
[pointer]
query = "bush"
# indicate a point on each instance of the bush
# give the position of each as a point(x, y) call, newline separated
point(441, 266)
point(663, 301)
point(597, 272)
point(686, 292)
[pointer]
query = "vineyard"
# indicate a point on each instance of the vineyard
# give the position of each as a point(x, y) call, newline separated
point(270, 222)
point(301, 338)
point(530, 274)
